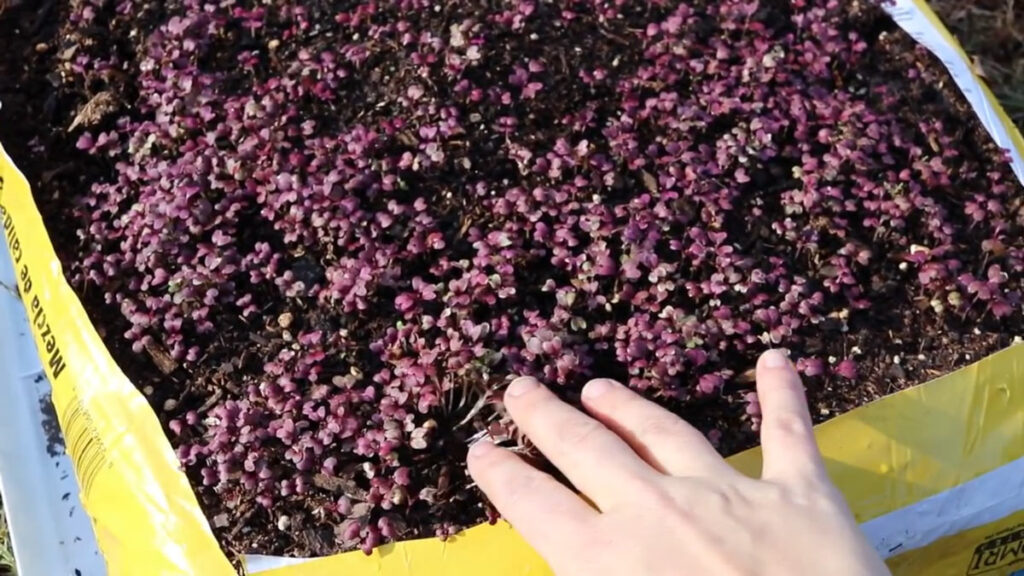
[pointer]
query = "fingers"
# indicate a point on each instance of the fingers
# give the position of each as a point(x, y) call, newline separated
point(661, 438)
point(542, 510)
point(599, 463)
point(787, 436)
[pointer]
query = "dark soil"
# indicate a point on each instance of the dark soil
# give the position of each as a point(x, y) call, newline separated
point(900, 349)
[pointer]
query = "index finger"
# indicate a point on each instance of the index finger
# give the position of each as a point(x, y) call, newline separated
point(787, 435)
point(599, 463)
point(546, 513)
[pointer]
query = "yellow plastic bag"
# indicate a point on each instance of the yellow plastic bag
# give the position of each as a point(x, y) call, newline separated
point(934, 473)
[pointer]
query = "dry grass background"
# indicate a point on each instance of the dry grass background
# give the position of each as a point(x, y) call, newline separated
point(6, 558)
point(992, 32)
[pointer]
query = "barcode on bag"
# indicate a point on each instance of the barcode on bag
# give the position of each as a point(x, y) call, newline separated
point(84, 445)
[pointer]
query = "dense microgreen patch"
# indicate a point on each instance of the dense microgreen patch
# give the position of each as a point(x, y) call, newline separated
point(347, 225)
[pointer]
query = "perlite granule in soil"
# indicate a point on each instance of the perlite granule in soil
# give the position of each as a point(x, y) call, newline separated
point(321, 238)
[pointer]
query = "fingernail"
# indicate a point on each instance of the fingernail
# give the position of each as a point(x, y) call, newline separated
point(596, 388)
point(481, 448)
point(775, 359)
point(521, 386)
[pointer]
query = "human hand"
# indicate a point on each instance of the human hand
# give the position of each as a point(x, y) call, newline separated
point(667, 503)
